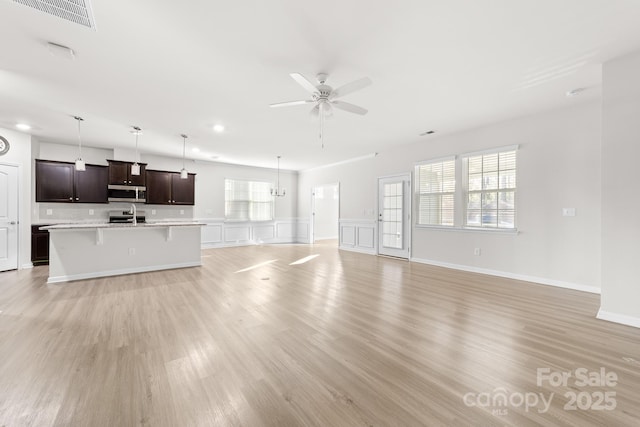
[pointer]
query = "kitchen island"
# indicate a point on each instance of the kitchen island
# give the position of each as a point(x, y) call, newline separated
point(85, 251)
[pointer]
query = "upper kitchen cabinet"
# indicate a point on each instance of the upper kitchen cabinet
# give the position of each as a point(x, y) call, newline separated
point(120, 174)
point(158, 187)
point(54, 181)
point(167, 188)
point(183, 190)
point(60, 182)
point(90, 185)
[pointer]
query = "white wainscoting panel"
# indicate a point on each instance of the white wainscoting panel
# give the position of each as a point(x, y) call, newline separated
point(264, 232)
point(358, 235)
point(219, 233)
point(238, 233)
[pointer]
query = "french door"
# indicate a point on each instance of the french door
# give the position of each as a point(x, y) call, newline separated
point(8, 217)
point(394, 216)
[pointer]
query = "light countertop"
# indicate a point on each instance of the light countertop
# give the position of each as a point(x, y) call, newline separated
point(70, 226)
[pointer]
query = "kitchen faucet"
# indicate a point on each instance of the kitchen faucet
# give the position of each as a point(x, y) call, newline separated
point(134, 211)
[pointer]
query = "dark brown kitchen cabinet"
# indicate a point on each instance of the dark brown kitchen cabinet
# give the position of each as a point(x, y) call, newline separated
point(167, 188)
point(60, 182)
point(120, 174)
point(39, 245)
point(54, 181)
point(183, 190)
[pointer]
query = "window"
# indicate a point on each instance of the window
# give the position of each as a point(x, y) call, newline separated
point(435, 191)
point(491, 190)
point(248, 200)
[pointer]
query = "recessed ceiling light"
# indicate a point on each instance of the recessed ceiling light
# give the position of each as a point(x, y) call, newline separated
point(218, 128)
point(195, 149)
point(60, 51)
point(575, 92)
point(23, 126)
point(429, 132)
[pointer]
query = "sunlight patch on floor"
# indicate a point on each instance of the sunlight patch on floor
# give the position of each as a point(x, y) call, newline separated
point(305, 259)
point(257, 266)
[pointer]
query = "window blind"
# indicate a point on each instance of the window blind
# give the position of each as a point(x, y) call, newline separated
point(248, 200)
point(436, 186)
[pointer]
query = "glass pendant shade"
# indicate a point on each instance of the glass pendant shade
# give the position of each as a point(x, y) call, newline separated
point(184, 174)
point(135, 169)
point(80, 166)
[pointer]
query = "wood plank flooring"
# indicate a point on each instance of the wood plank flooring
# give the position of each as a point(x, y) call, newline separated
point(343, 339)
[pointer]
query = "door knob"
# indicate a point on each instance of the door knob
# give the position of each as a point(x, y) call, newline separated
point(12, 223)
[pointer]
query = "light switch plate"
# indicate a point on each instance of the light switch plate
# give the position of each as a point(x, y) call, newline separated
point(49, 211)
point(91, 211)
point(568, 211)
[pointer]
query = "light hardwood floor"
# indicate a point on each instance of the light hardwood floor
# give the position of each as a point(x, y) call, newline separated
point(344, 339)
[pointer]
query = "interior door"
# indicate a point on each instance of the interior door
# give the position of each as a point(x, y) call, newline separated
point(8, 217)
point(394, 216)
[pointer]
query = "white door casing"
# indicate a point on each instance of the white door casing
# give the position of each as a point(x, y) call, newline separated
point(8, 217)
point(394, 216)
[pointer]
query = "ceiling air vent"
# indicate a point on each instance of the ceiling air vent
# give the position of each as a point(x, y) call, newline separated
point(78, 11)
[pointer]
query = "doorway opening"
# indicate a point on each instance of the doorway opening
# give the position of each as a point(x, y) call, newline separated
point(325, 213)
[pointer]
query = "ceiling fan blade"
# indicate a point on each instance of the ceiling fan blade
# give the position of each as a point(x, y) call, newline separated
point(349, 107)
point(290, 103)
point(350, 87)
point(302, 81)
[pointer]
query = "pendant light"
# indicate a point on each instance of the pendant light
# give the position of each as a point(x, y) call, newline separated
point(80, 166)
point(135, 167)
point(278, 192)
point(183, 173)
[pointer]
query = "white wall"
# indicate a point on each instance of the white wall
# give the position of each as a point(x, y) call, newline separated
point(20, 155)
point(558, 166)
point(620, 200)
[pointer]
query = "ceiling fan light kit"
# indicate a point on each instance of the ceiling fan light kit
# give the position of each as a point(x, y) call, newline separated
point(325, 97)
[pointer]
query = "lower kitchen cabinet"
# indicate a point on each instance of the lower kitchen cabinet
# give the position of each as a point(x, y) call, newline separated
point(39, 245)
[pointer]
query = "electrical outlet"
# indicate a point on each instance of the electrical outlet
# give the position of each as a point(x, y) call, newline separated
point(568, 211)
point(49, 211)
point(181, 211)
point(476, 251)
point(91, 211)
point(132, 251)
point(153, 211)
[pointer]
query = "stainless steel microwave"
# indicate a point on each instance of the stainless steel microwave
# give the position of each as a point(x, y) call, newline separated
point(127, 193)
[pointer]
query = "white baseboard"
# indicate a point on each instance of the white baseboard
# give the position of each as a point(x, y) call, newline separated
point(523, 277)
point(26, 266)
point(618, 318)
point(360, 250)
point(83, 276)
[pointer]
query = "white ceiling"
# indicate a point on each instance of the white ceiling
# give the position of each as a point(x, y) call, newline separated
point(179, 67)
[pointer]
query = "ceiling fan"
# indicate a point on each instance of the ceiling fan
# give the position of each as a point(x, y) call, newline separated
point(325, 97)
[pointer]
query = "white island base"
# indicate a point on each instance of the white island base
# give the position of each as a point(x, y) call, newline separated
point(84, 251)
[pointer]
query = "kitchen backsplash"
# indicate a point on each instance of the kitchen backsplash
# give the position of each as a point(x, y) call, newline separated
point(49, 213)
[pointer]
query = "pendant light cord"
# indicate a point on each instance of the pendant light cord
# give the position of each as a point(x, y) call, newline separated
point(137, 131)
point(184, 145)
point(79, 119)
